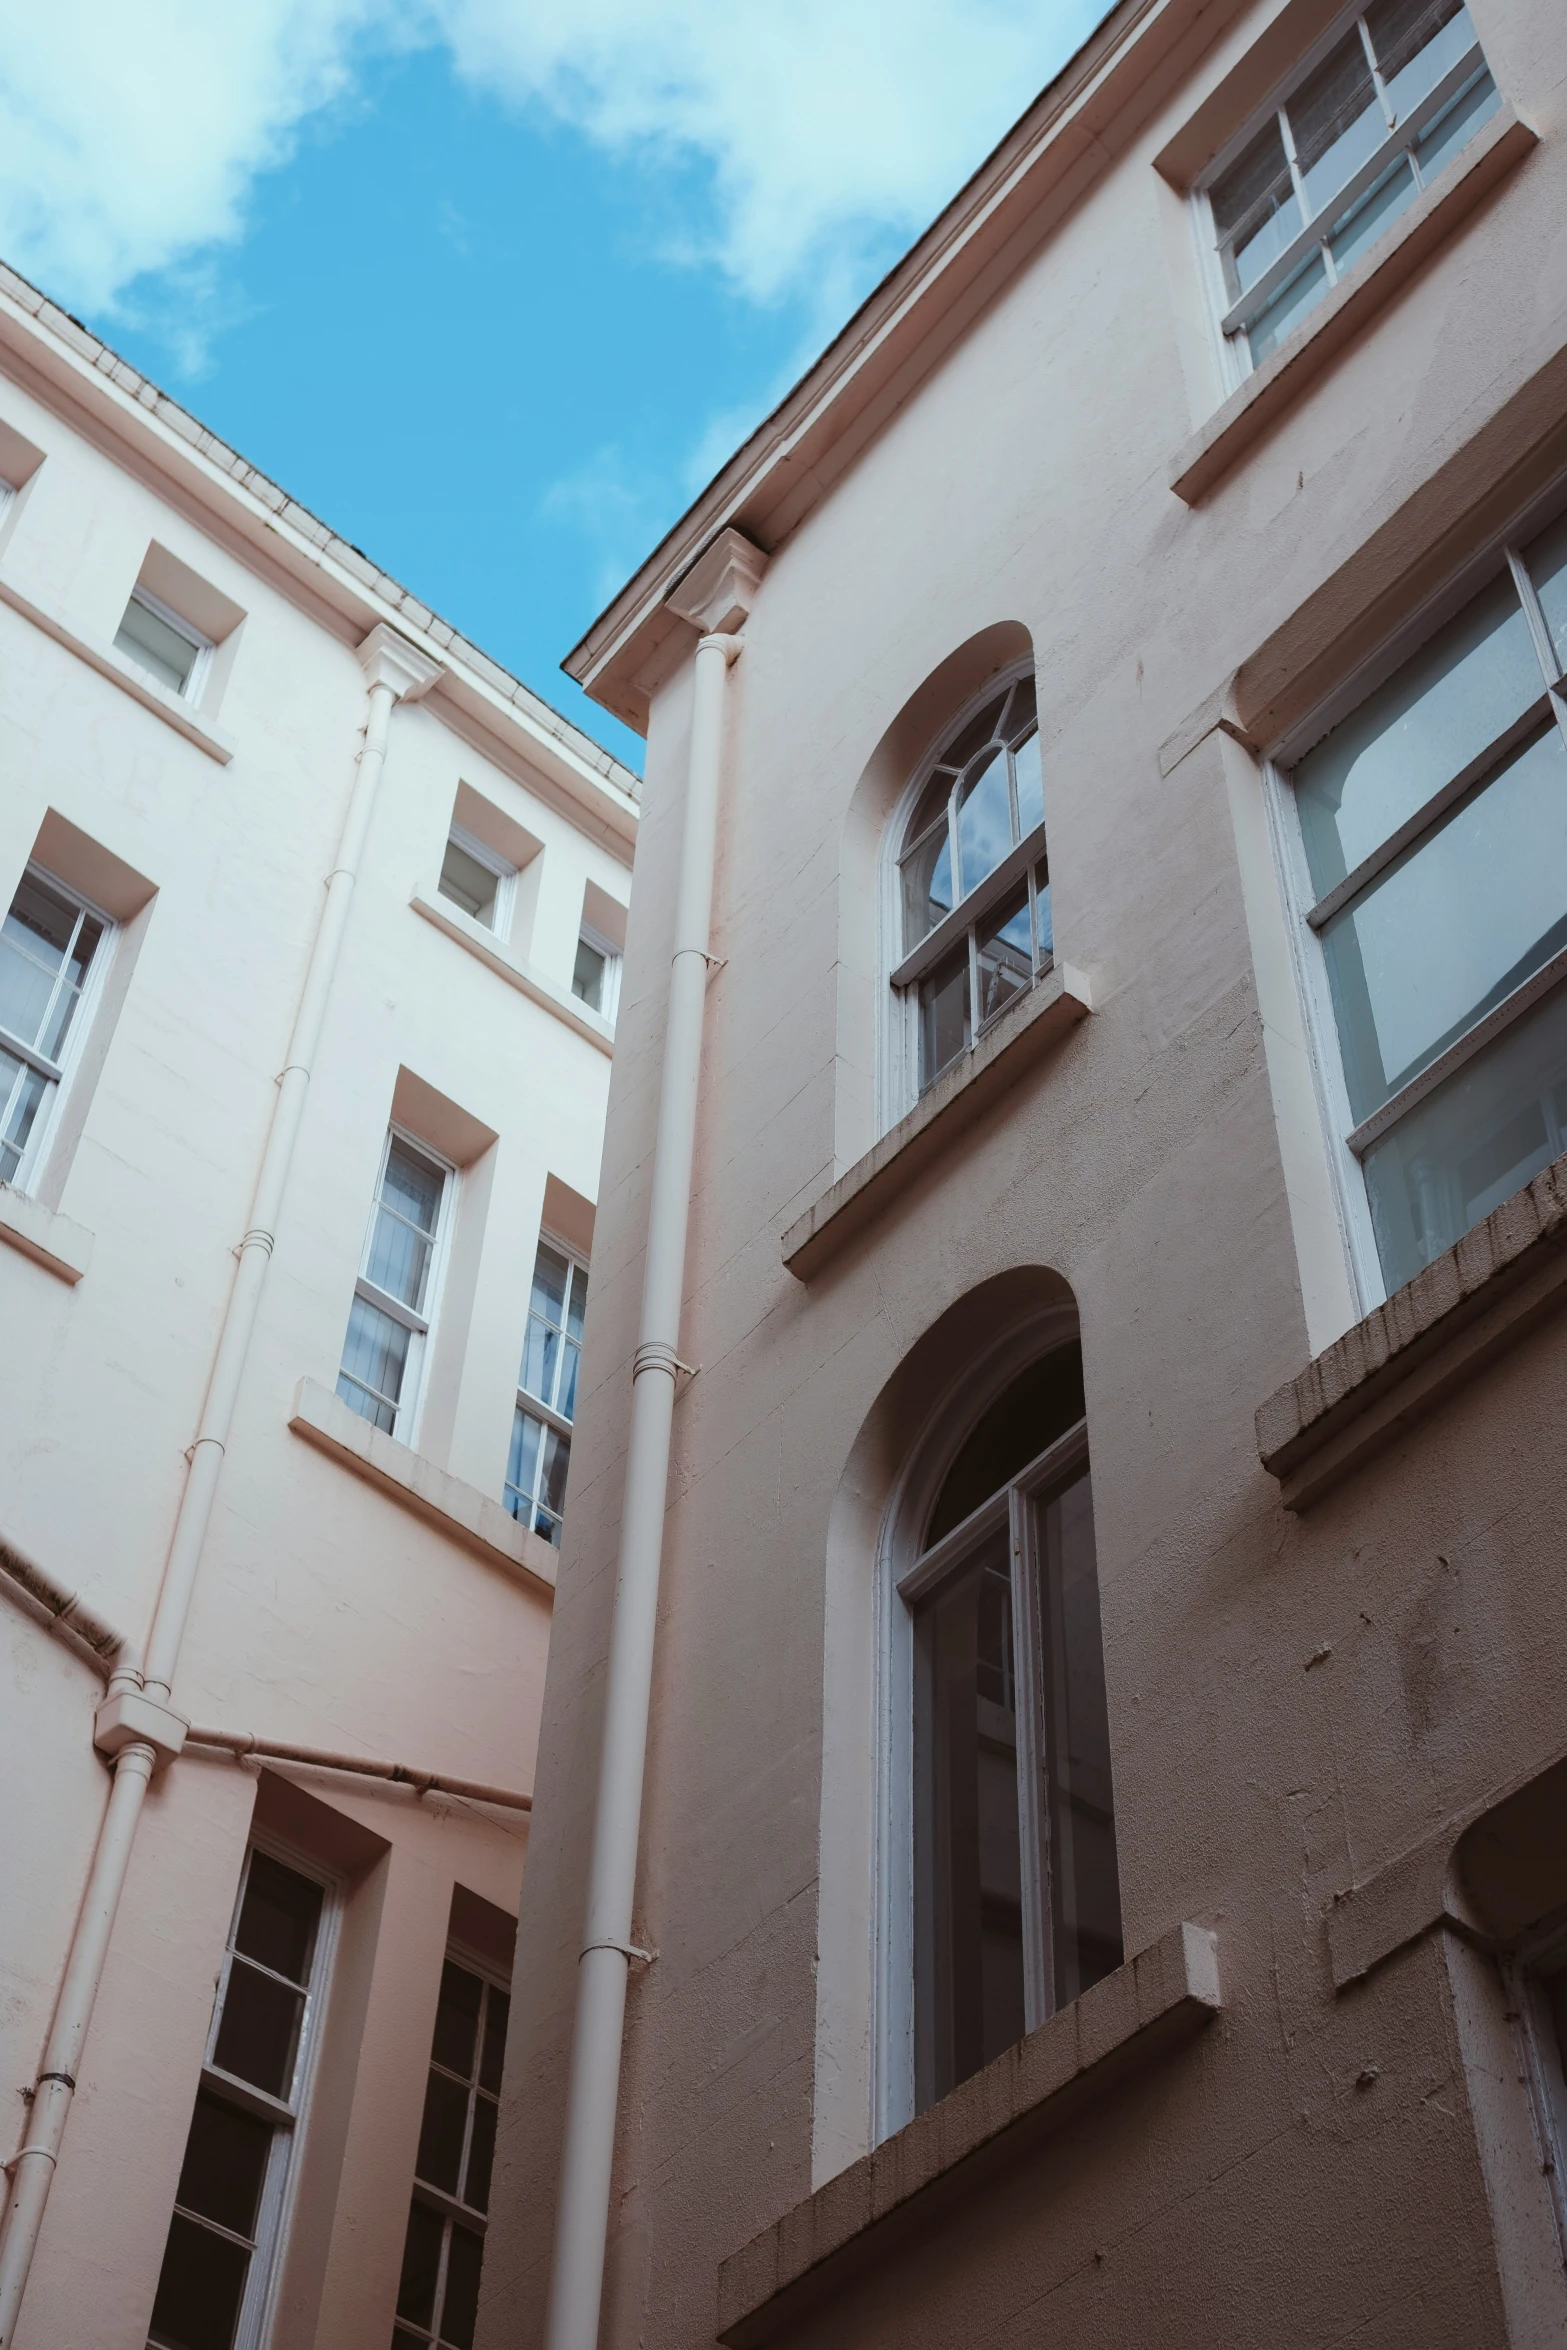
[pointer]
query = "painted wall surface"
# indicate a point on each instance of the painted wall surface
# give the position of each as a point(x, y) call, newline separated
point(1293, 1700)
point(326, 1613)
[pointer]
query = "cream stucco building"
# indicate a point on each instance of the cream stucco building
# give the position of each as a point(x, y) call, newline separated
point(1072, 1453)
point(312, 924)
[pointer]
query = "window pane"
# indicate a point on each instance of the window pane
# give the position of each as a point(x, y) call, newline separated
point(457, 2019)
point(1006, 963)
point(1043, 925)
point(1416, 42)
point(984, 822)
point(1041, 1404)
point(34, 941)
point(1456, 126)
point(1337, 121)
point(1030, 785)
point(540, 1359)
point(1287, 308)
point(22, 1091)
point(536, 1475)
point(1255, 205)
point(928, 893)
point(975, 735)
point(570, 1364)
point(1453, 927)
point(279, 1918)
point(944, 1015)
point(421, 2265)
point(400, 1241)
point(497, 2016)
point(460, 2305)
point(225, 2164)
point(199, 2290)
point(439, 2159)
point(468, 884)
point(578, 1305)
point(932, 801)
point(1547, 561)
point(587, 977)
point(1375, 211)
point(375, 1355)
point(969, 1859)
point(152, 644)
point(1415, 733)
point(259, 2033)
point(549, 1284)
point(1022, 709)
point(481, 2155)
point(1085, 1891)
point(1472, 1143)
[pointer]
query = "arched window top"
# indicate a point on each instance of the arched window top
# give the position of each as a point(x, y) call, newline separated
point(1038, 1406)
point(982, 797)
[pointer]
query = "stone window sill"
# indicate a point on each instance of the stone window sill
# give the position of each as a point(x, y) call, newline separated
point(1249, 411)
point(108, 663)
point(1043, 1016)
point(864, 2217)
point(1398, 1364)
point(53, 1241)
point(494, 953)
point(441, 1500)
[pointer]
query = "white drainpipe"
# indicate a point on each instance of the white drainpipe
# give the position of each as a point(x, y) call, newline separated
point(716, 595)
point(135, 1725)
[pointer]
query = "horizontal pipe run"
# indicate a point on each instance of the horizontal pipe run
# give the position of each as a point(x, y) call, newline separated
point(320, 1758)
point(108, 1651)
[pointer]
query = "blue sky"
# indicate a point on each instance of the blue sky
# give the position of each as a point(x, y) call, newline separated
point(494, 291)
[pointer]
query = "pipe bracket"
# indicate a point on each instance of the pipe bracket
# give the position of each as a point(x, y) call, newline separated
point(632, 1952)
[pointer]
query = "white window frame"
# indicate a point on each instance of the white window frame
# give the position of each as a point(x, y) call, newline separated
point(1362, 1257)
point(898, 1028)
point(1522, 1971)
point(59, 1073)
point(7, 493)
point(1231, 316)
point(195, 685)
point(452, 2207)
point(290, 2117)
point(533, 1405)
point(420, 1325)
point(613, 958)
point(458, 835)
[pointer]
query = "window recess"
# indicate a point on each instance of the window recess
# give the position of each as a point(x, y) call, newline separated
point(438, 2291)
point(1373, 116)
point(536, 1470)
point(479, 880)
point(399, 1280)
point(163, 646)
point(230, 2207)
point(595, 976)
point(52, 952)
point(1432, 851)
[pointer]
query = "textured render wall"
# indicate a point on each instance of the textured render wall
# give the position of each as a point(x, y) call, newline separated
point(325, 1614)
point(1253, 2189)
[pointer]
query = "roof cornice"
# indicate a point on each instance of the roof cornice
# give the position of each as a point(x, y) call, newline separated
point(1038, 172)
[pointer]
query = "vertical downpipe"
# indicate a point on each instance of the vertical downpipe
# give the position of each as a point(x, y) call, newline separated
point(593, 2094)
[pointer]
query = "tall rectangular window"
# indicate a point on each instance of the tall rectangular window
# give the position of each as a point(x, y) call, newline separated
point(394, 1297)
point(1373, 116)
point(476, 879)
point(51, 948)
point(230, 2204)
point(1433, 830)
point(438, 2291)
point(162, 645)
point(547, 1393)
point(595, 977)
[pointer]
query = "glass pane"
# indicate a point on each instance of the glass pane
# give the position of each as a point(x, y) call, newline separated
point(540, 1359)
point(587, 977)
point(34, 940)
point(58, 1023)
point(944, 1015)
point(968, 1857)
point(928, 892)
point(536, 1475)
point(551, 1491)
point(522, 1462)
point(403, 2340)
point(549, 1285)
point(225, 2164)
point(1287, 308)
point(1337, 121)
point(1041, 1404)
point(1453, 927)
point(375, 1356)
point(199, 2290)
point(1454, 128)
point(932, 801)
point(1030, 786)
point(1044, 928)
point(570, 1364)
point(1021, 709)
point(496, 2018)
point(1255, 207)
point(1375, 212)
point(1472, 1143)
point(1006, 962)
point(457, 2019)
point(975, 735)
point(279, 1918)
point(1085, 1889)
point(259, 2034)
point(481, 2155)
point(468, 884)
point(439, 2159)
point(421, 2265)
point(152, 644)
point(400, 1247)
point(579, 1302)
point(22, 1092)
point(1416, 42)
point(460, 2305)
point(1547, 561)
point(1433, 716)
point(984, 822)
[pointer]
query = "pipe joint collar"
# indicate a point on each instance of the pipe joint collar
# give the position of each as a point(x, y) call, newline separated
point(133, 1719)
point(654, 1355)
point(731, 646)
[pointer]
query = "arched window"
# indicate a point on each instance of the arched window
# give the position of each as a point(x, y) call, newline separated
point(1017, 1903)
point(973, 883)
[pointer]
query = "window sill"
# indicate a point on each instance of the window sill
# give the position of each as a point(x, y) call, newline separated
point(61, 1247)
point(865, 2217)
point(1403, 1360)
point(1041, 1019)
point(443, 1501)
point(156, 698)
point(492, 951)
point(1248, 413)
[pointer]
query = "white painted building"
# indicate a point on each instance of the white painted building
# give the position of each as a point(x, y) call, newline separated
point(307, 987)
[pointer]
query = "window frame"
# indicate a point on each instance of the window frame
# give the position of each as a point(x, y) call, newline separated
point(420, 1325)
point(59, 1074)
point(613, 956)
point(1231, 315)
point(458, 836)
point(534, 1406)
point(1501, 550)
point(1523, 1970)
point(195, 684)
point(289, 2118)
point(452, 2208)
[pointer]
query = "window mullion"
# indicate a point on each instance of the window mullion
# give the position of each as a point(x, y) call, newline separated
point(1539, 630)
point(1380, 86)
point(1032, 1814)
